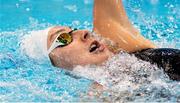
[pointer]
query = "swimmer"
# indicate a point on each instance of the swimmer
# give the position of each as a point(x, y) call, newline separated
point(68, 47)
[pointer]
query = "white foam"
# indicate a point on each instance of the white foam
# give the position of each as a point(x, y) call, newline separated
point(123, 76)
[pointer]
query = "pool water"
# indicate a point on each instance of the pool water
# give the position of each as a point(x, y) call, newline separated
point(25, 79)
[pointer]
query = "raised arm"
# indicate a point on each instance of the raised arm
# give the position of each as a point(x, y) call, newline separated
point(111, 21)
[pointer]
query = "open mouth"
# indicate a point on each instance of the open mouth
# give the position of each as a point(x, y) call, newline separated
point(95, 47)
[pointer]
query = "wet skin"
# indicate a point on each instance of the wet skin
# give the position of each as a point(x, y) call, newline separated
point(83, 50)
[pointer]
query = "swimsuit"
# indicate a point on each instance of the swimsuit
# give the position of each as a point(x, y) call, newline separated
point(166, 58)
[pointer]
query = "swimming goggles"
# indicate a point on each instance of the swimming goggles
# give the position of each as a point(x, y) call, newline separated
point(63, 39)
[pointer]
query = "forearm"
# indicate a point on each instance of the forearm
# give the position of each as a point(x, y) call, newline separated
point(110, 7)
point(114, 10)
point(124, 39)
point(111, 21)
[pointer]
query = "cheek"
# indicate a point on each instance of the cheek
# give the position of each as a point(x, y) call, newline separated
point(73, 55)
point(78, 54)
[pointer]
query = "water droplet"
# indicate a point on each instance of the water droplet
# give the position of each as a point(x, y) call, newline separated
point(17, 5)
point(27, 9)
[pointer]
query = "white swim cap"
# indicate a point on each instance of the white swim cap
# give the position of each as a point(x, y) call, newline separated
point(35, 44)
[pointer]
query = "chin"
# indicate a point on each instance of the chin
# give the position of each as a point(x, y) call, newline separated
point(103, 58)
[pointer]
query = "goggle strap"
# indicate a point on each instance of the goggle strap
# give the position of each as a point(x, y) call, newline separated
point(54, 45)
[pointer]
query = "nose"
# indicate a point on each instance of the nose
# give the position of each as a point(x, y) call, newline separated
point(85, 35)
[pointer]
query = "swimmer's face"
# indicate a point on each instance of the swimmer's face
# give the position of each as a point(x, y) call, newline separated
point(83, 50)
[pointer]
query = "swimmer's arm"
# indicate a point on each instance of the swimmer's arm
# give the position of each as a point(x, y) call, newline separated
point(111, 21)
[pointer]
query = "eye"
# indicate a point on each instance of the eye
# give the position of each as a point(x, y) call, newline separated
point(65, 38)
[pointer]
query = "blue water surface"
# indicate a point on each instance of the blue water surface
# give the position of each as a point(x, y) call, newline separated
point(25, 79)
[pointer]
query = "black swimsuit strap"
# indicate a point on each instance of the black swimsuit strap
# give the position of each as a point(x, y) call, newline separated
point(167, 58)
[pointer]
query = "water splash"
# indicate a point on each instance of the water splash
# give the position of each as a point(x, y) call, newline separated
point(72, 8)
point(127, 79)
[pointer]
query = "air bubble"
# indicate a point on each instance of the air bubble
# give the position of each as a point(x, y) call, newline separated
point(27, 9)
